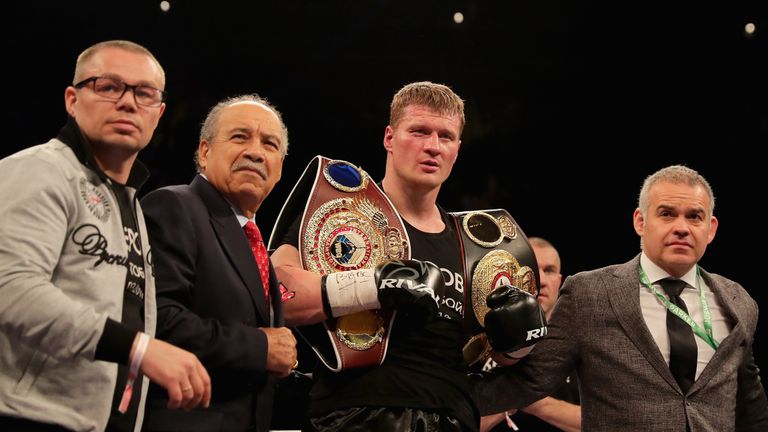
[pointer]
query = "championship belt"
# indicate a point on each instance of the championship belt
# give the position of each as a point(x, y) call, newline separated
point(496, 253)
point(348, 223)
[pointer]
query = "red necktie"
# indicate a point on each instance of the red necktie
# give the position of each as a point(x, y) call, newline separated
point(259, 252)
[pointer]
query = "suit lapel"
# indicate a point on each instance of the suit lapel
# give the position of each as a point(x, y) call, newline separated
point(724, 351)
point(625, 301)
point(233, 242)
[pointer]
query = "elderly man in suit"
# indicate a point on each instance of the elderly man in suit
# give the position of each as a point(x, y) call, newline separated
point(651, 356)
point(218, 296)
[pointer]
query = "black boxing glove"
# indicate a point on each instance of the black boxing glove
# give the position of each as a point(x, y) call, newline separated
point(515, 320)
point(393, 284)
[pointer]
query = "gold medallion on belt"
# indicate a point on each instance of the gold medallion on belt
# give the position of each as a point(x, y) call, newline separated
point(496, 269)
point(350, 234)
point(494, 250)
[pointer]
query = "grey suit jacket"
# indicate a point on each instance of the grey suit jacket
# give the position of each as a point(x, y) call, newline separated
point(598, 328)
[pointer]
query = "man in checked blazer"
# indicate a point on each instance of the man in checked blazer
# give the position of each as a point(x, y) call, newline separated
point(211, 295)
point(610, 325)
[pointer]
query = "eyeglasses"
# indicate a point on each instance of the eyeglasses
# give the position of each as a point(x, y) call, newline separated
point(114, 89)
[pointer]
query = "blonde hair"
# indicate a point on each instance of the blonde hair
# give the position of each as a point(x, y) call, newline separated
point(542, 243)
point(89, 52)
point(438, 97)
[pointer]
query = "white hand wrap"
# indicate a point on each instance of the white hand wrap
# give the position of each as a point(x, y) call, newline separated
point(352, 291)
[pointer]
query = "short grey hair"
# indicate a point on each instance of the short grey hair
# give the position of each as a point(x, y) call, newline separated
point(210, 124)
point(674, 174)
point(87, 55)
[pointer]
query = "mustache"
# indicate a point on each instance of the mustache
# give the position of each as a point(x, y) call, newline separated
point(250, 165)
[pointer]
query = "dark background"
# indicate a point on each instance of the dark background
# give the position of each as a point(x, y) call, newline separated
point(570, 104)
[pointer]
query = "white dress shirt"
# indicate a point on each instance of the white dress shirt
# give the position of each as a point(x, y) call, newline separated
point(655, 313)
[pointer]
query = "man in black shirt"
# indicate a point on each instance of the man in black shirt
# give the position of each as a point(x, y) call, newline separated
point(421, 384)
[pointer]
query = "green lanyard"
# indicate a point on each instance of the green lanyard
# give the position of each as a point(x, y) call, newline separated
point(704, 333)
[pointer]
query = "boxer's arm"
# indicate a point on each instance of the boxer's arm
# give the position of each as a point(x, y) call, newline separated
point(306, 306)
point(394, 284)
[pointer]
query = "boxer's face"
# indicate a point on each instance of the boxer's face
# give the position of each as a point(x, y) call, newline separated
point(423, 146)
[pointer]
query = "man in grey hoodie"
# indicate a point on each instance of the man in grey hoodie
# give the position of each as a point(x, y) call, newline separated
point(77, 294)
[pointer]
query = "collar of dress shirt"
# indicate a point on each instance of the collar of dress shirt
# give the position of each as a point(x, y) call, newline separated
point(656, 273)
point(241, 219)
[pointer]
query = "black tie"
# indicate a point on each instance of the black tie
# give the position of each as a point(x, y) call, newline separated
point(682, 345)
